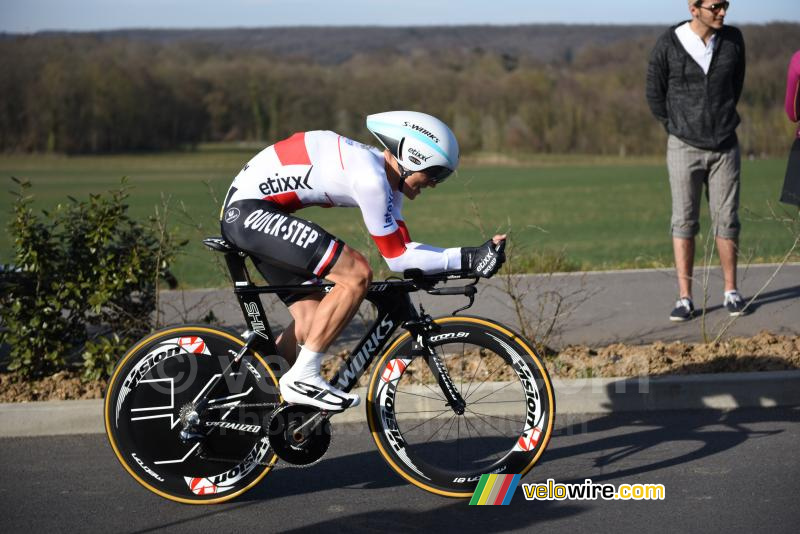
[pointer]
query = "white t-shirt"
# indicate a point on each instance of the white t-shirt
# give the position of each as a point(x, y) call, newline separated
point(694, 45)
point(322, 168)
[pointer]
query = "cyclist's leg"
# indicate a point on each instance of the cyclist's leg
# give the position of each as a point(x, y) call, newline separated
point(290, 250)
point(303, 384)
point(352, 275)
point(294, 334)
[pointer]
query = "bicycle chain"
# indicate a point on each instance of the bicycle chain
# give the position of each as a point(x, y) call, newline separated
point(250, 405)
point(232, 461)
point(329, 429)
point(272, 405)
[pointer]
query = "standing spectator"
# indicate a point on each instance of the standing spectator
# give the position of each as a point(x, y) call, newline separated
point(791, 185)
point(694, 81)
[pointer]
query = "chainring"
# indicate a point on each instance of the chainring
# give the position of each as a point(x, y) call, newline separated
point(282, 425)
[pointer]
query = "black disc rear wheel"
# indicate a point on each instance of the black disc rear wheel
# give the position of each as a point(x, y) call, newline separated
point(155, 389)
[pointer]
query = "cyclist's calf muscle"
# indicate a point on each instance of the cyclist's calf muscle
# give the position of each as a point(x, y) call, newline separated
point(352, 275)
point(294, 334)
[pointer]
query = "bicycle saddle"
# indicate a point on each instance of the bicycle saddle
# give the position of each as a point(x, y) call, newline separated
point(219, 244)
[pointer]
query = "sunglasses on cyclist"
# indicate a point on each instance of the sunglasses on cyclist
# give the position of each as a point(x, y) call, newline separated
point(715, 7)
point(438, 174)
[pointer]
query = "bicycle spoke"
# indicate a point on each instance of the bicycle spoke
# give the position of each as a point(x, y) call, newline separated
point(458, 443)
point(455, 418)
point(466, 427)
point(434, 392)
point(425, 421)
point(419, 411)
point(522, 421)
point(491, 392)
point(438, 429)
point(483, 417)
point(461, 387)
point(481, 438)
point(472, 379)
point(499, 366)
point(515, 401)
point(475, 428)
point(418, 395)
point(496, 455)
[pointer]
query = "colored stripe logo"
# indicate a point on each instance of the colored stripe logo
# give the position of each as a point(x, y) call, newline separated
point(495, 489)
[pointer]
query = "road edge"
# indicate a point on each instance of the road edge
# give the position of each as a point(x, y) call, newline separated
point(722, 391)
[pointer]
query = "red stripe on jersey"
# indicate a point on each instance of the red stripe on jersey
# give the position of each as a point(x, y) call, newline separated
point(391, 245)
point(292, 151)
point(289, 202)
point(339, 144)
point(321, 270)
point(404, 230)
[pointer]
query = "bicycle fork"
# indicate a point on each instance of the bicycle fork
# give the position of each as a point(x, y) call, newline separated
point(421, 330)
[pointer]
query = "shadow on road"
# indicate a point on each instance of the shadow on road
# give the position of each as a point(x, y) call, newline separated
point(787, 293)
point(604, 455)
point(642, 449)
point(714, 431)
point(612, 455)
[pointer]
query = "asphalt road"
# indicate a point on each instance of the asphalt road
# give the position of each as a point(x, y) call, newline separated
point(723, 472)
point(595, 309)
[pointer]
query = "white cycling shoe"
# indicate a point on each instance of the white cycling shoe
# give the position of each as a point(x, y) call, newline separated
point(314, 391)
point(302, 384)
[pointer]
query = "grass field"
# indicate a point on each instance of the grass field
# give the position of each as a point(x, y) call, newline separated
point(573, 212)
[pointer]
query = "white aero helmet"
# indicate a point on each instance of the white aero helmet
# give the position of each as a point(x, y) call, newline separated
point(419, 141)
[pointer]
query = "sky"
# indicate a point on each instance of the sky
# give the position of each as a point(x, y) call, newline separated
point(30, 16)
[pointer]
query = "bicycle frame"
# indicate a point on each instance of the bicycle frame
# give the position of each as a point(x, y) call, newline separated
point(394, 309)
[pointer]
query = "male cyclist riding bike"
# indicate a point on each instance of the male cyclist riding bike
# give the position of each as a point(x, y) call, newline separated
point(322, 168)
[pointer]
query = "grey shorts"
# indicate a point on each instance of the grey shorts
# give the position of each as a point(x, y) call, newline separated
point(689, 168)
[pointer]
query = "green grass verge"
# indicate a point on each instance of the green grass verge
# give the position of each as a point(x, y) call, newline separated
point(563, 213)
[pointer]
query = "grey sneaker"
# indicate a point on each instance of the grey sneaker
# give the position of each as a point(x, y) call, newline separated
point(735, 304)
point(684, 310)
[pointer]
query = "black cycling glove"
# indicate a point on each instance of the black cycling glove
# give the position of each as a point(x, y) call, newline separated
point(484, 260)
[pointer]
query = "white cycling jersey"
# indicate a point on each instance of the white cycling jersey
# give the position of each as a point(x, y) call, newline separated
point(322, 168)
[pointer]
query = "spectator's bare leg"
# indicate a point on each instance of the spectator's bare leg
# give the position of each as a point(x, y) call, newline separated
point(728, 249)
point(684, 264)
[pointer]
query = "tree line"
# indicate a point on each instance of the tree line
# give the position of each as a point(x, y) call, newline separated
point(84, 93)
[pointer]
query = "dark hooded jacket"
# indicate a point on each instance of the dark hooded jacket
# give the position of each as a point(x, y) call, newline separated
point(698, 108)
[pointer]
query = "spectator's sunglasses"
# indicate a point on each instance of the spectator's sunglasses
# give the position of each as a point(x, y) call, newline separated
point(715, 8)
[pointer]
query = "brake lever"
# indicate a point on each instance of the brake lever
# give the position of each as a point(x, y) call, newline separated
point(468, 291)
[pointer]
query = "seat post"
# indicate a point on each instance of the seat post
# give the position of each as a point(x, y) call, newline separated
point(249, 301)
point(237, 268)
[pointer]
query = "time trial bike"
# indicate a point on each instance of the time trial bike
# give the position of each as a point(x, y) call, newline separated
point(194, 412)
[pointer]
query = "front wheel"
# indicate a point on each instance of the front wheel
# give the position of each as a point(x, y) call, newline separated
point(176, 372)
point(509, 415)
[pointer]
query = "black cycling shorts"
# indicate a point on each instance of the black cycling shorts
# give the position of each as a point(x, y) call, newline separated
point(286, 250)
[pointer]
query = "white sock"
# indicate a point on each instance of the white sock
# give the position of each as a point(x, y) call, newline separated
point(307, 365)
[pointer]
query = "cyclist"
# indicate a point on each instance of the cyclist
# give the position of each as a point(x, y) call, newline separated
point(322, 168)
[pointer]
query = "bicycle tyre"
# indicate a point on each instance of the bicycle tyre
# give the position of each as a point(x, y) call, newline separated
point(160, 374)
point(519, 380)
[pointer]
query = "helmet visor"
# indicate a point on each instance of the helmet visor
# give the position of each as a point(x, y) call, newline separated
point(438, 173)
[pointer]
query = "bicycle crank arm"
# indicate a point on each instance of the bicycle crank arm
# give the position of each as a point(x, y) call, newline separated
point(302, 432)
